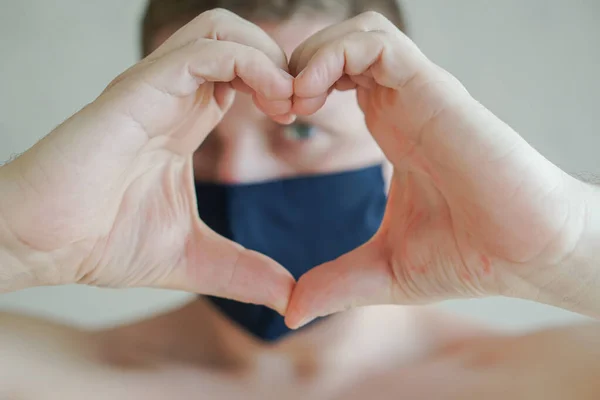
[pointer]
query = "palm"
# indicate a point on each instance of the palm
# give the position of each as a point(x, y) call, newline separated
point(155, 218)
point(464, 208)
point(139, 204)
point(472, 211)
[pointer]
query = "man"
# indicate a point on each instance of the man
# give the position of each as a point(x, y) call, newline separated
point(302, 193)
point(330, 354)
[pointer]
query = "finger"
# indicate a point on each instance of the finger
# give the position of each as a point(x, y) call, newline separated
point(286, 119)
point(179, 74)
point(183, 70)
point(377, 53)
point(217, 24)
point(223, 25)
point(224, 95)
point(361, 277)
point(212, 265)
point(273, 107)
point(363, 81)
point(277, 110)
point(345, 83)
point(366, 22)
point(240, 86)
point(219, 267)
point(308, 106)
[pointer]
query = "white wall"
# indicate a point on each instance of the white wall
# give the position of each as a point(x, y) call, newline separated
point(534, 63)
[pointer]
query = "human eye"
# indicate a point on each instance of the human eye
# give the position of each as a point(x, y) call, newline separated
point(299, 132)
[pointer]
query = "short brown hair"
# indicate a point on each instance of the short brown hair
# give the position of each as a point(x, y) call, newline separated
point(162, 13)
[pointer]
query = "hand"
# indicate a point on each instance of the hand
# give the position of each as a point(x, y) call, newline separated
point(555, 364)
point(473, 210)
point(108, 197)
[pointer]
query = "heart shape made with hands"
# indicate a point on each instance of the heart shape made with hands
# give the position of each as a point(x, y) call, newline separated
point(472, 209)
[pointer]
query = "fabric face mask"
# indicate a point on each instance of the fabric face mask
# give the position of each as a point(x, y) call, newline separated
point(299, 222)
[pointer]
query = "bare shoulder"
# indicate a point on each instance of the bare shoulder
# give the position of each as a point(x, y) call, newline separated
point(24, 334)
point(35, 351)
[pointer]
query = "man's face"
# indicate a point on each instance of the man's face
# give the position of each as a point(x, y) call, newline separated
point(247, 146)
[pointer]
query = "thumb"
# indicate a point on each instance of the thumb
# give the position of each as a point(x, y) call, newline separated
point(361, 277)
point(219, 267)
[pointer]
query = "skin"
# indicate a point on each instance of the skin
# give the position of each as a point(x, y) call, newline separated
point(405, 99)
point(247, 146)
point(473, 210)
point(46, 361)
point(197, 349)
point(119, 203)
point(560, 363)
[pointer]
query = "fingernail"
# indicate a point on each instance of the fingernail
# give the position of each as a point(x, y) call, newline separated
point(279, 306)
point(279, 310)
point(304, 322)
point(286, 119)
point(289, 119)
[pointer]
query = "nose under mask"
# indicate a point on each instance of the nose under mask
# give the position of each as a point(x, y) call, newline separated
point(299, 222)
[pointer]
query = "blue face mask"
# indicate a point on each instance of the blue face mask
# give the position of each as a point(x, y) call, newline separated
point(299, 222)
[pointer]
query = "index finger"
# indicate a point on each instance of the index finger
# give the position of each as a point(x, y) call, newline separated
point(366, 22)
point(221, 24)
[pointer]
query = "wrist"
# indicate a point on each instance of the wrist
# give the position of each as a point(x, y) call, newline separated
point(585, 259)
point(12, 272)
point(573, 283)
point(16, 272)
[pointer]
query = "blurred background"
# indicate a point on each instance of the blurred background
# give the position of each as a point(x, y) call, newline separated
point(534, 63)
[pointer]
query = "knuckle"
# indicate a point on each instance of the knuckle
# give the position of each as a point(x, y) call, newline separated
point(370, 19)
point(371, 37)
point(214, 17)
point(213, 21)
point(217, 14)
point(218, 49)
point(380, 35)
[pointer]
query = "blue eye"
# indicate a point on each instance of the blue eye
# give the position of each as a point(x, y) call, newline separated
point(299, 131)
